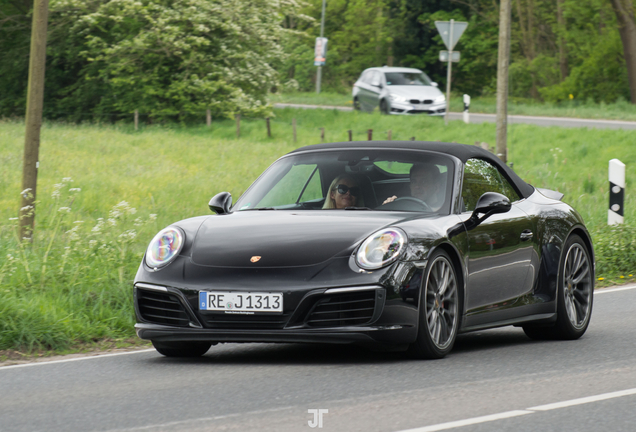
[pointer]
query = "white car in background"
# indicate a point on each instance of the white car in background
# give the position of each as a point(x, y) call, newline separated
point(397, 90)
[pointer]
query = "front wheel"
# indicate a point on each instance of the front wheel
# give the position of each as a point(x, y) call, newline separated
point(182, 349)
point(384, 109)
point(356, 104)
point(574, 297)
point(439, 309)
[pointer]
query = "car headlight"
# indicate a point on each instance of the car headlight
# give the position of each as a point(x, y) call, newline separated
point(381, 248)
point(397, 98)
point(440, 98)
point(165, 247)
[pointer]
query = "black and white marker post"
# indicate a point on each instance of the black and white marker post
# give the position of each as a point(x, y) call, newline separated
point(466, 108)
point(617, 192)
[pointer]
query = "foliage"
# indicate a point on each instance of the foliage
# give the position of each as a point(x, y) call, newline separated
point(160, 57)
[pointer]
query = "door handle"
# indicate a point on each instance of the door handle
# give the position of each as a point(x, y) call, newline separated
point(526, 235)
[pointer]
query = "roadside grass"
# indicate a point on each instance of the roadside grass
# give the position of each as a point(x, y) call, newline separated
point(105, 190)
point(621, 110)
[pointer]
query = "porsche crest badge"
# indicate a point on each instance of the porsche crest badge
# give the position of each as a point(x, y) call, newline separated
point(255, 258)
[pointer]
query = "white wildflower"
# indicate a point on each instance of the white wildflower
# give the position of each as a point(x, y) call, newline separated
point(64, 210)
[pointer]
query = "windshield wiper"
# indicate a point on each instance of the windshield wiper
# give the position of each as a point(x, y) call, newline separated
point(259, 209)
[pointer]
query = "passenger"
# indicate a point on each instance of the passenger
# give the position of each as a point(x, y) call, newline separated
point(343, 192)
point(426, 185)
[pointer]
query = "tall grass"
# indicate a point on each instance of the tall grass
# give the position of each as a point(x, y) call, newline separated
point(105, 190)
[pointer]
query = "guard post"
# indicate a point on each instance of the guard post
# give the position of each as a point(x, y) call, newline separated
point(617, 192)
point(466, 108)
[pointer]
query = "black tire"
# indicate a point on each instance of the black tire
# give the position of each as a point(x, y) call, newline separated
point(182, 349)
point(440, 309)
point(384, 109)
point(356, 104)
point(575, 294)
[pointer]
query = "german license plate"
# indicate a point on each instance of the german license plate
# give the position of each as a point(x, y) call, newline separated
point(243, 303)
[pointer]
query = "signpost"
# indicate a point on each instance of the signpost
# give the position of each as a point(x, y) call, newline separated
point(450, 31)
point(320, 50)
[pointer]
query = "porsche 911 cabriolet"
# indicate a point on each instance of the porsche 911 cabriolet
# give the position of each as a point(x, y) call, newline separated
point(400, 244)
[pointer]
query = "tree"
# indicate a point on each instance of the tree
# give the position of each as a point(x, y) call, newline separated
point(624, 10)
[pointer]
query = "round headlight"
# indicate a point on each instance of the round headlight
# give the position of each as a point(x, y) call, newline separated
point(164, 247)
point(381, 248)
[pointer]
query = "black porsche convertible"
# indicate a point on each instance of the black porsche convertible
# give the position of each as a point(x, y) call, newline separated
point(400, 243)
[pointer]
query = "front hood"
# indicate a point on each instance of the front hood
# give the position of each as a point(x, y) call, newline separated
point(415, 92)
point(284, 239)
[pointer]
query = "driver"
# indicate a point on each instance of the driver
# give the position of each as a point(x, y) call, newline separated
point(426, 185)
point(343, 192)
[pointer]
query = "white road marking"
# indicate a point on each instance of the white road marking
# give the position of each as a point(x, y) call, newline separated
point(517, 413)
point(584, 400)
point(623, 288)
point(74, 359)
point(468, 422)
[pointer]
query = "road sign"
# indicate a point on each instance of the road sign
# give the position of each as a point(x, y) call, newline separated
point(320, 51)
point(443, 56)
point(444, 29)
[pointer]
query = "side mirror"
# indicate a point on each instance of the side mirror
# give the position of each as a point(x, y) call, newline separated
point(491, 203)
point(221, 202)
point(488, 204)
point(434, 84)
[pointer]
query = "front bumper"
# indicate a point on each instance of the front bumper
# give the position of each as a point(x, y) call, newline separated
point(361, 314)
point(434, 109)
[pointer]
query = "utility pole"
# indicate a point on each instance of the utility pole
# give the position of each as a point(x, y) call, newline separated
point(448, 73)
point(35, 102)
point(322, 34)
point(502, 80)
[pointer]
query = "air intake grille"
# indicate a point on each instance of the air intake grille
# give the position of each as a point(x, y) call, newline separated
point(339, 310)
point(161, 308)
point(241, 321)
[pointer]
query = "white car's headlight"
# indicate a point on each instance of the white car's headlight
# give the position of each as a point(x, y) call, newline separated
point(381, 248)
point(440, 98)
point(397, 98)
point(165, 247)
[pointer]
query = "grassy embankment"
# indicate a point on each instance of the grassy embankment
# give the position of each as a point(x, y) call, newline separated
point(579, 109)
point(72, 287)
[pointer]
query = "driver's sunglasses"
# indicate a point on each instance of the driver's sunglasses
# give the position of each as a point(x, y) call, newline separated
point(343, 189)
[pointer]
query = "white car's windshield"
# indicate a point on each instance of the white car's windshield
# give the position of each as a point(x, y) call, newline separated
point(407, 79)
point(395, 180)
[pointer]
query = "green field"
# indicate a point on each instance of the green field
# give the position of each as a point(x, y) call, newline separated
point(72, 287)
point(621, 110)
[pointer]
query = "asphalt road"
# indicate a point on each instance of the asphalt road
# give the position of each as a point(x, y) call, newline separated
point(496, 380)
point(512, 119)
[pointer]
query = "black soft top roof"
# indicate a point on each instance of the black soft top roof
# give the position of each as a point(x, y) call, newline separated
point(461, 151)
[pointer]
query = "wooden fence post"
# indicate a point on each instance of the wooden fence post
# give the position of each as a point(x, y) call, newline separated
point(294, 128)
point(238, 125)
point(322, 134)
point(388, 135)
point(350, 135)
point(208, 118)
point(269, 128)
point(136, 119)
point(412, 138)
point(370, 134)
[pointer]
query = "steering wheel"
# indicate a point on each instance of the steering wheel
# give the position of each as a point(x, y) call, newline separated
point(419, 202)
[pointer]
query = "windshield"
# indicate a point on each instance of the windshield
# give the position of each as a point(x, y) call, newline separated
point(407, 79)
point(395, 180)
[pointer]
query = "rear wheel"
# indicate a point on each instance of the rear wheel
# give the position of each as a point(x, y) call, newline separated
point(182, 349)
point(574, 297)
point(439, 309)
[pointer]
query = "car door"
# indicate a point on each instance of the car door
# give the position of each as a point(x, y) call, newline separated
point(500, 248)
point(375, 89)
point(364, 91)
